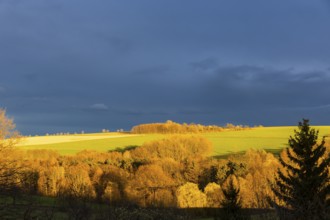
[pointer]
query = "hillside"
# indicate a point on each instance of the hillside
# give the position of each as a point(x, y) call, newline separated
point(272, 139)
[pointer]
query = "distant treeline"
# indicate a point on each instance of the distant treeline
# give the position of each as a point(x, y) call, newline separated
point(170, 127)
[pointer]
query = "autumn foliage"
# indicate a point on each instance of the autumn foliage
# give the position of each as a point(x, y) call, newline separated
point(183, 179)
point(174, 172)
point(170, 127)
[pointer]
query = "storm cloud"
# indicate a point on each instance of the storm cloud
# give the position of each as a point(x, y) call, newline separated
point(82, 65)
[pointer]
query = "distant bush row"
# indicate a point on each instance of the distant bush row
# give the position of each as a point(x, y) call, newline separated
point(170, 127)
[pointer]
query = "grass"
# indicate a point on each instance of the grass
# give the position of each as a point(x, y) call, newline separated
point(102, 144)
point(271, 139)
point(37, 140)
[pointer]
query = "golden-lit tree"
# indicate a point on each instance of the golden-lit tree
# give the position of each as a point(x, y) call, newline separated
point(51, 180)
point(149, 185)
point(170, 127)
point(172, 168)
point(78, 183)
point(214, 195)
point(10, 165)
point(261, 167)
point(9, 137)
point(177, 147)
point(192, 170)
point(189, 196)
point(77, 192)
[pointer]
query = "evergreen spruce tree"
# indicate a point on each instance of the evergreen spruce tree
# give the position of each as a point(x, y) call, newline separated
point(303, 188)
point(231, 203)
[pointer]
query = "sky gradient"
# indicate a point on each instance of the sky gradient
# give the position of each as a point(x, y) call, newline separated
point(74, 65)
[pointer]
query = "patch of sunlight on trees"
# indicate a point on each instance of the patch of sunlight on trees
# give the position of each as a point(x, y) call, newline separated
point(214, 194)
point(170, 127)
point(177, 147)
point(189, 196)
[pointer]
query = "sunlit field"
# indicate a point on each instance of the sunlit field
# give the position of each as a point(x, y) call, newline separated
point(71, 144)
point(272, 139)
point(40, 140)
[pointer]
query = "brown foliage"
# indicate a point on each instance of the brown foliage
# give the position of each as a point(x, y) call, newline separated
point(51, 180)
point(177, 147)
point(173, 171)
point(214, 195)
point(152, 185)
point(255, 187)
point(78, 183)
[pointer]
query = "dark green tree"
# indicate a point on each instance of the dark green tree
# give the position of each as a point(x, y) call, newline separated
point(303, 188)
point(231, 203)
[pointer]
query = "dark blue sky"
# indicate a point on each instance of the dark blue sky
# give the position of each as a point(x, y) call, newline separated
point(72, 65)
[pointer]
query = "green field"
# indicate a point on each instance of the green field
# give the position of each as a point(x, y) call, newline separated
point(272, 139)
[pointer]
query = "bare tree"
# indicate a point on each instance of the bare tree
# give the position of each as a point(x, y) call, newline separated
point(9, 165)
point(9, 137)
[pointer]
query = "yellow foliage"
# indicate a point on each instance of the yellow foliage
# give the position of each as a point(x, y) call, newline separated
point(177, 147)
point(78, 183)
point(170, 127)
point(233, 179)
point(172, 169)
point(149, 184)
point(189, 196)
point(214, 195)
point(255, 187)
point(151, 176)
point(51, 180)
